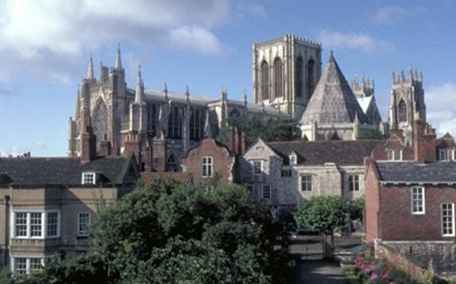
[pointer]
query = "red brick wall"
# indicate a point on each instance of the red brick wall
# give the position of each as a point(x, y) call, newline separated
point(223, 161)
point(372, 197)
point(396, 222)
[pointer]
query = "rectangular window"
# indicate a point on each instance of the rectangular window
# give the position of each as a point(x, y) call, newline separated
point(353, 182)
point(26, 265)
point(88, 178)
point(395, 155)
point(266, 191)
point(36, 264)
point(444, 154)
point(257, 167)
point(20, 224)
point(306, 183)
point(208, 166)
point(448, 219)
point(36, 223)
point(52, 224)
point(20, 265)
point(83, 224)
point(418, 200)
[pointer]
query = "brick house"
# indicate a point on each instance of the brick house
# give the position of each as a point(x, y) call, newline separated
point(210, 161)
point(411, 206)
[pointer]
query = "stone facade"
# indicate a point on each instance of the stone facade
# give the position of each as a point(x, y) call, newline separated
point(285, 72)
point(334, 112)
point(159, 127)
point(284, 174)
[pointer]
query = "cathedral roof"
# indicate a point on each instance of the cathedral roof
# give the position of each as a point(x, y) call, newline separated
point(370, 109)
point(333, 100)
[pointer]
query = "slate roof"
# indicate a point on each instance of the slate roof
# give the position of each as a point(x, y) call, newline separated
point(61, 171)
point(436, 172)
point(333, 100)
point(320, 152)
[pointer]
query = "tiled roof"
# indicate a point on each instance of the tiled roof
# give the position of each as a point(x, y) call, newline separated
point(61, 171)
point(436, 172)
point(333, 100)
point(320, 152)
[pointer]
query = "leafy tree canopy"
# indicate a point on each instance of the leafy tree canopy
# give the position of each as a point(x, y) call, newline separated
point(179, 234)
point(256, 126)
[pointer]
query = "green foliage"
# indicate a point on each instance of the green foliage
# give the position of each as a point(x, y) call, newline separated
point(356, 208)
point(256, 126)
point(322, 213)
point(179, 234)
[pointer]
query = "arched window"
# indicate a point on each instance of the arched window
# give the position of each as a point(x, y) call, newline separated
point(100, 122)
point(310, 76)
point(152, 119)
point(402, 111)
point(278, 77)
point(175, 123)
point(196, 124)
point(264, 80)
point(298, 76)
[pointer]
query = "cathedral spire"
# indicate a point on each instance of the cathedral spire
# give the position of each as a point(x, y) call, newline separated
point(245, 99)
point(139, 95)
point(207, 126)
point(90, 73)
point(187, 95)
point(118, 63)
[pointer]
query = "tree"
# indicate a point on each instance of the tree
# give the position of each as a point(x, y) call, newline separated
point(323, 214)
point(256, 126)
point(170, 233)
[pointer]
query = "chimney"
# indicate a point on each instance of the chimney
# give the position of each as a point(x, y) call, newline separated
point(424, 141)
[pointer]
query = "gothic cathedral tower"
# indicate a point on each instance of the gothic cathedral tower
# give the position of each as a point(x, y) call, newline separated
point(285, 73)
point(407, 102)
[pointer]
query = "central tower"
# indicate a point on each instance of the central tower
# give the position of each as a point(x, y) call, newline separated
point(285, 73)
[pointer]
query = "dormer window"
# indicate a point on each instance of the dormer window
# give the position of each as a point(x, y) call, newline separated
point(293, 159)
point(88, 178)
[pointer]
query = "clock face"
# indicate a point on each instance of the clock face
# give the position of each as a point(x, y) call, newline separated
point(100, 122)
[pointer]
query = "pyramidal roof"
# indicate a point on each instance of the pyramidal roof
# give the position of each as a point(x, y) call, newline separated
point(333, 100)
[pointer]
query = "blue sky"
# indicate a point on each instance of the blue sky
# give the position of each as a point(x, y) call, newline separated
point(206, 44)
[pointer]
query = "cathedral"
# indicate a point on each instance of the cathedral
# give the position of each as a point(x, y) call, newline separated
point(289, 81)
point(159, 127)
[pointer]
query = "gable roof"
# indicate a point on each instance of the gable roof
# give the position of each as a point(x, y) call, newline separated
point(414, 172)
point(333, 100)
point(321, 152)
point(62, 171)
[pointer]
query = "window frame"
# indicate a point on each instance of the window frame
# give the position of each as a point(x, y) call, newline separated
point(423, 200)
point(43, 226)
point(268, 186)
point(254, 168)
point(79, 232)
point(207, 166)
point(28, 267)
point(442, 222)
point(354, 182)
point(309, 183)
point(84, 178)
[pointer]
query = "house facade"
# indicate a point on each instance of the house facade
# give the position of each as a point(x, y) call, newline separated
point(48, 204)
point(410, 206)
point(284, 174)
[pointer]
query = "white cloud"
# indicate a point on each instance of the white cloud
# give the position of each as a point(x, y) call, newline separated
point(196, 38)
point(389, 14)
point(43, 35)
point(250, 8)
point(440, 107)
point(358, 41)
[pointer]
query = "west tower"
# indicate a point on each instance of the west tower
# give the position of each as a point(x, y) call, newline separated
point(285, 73)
